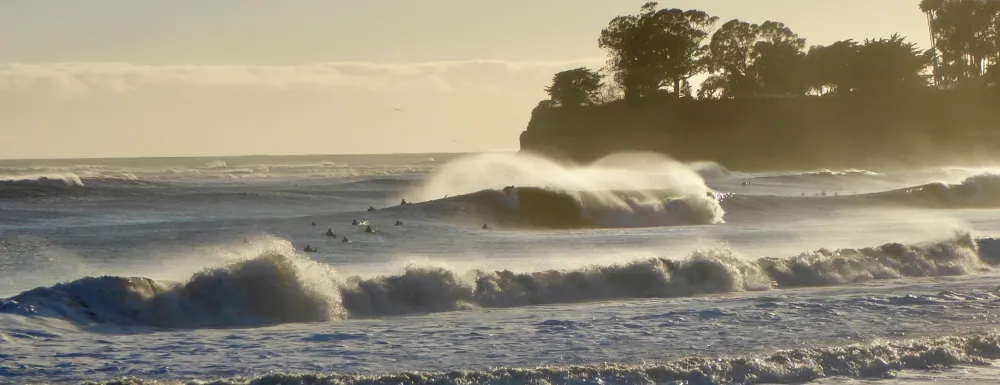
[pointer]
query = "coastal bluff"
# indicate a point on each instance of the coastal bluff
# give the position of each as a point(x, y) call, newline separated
point(922, 128)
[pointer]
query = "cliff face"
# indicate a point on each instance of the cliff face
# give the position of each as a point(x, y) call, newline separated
point(924, 128)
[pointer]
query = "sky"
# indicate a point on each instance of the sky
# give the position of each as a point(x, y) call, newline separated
point(125, 78)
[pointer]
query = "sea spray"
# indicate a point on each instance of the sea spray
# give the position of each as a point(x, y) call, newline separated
point(622, 190)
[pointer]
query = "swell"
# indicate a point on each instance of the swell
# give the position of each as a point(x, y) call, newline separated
point(878, 360)
point(819, 175)
point(279, 288)
point(980, 191)
point(561, 209)
point(66, 185)
point(220, 169)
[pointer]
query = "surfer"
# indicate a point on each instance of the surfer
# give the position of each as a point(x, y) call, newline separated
point(309, 249)
point(314, 224)
point(346, 240)
point(329, 233)
point(371, 208)
point(355, 223)
point(369, 230)
point(403, 202)
point(399, 223)
point(485, 227)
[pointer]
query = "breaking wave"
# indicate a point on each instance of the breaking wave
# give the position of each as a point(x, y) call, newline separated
point(41, 181)
point(552, 208)
point(621, 190)
point(62, 185)
point(981, 190)
point(280, 287)
point(879, 359)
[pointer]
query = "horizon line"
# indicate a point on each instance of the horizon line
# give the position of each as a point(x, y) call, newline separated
point(260, 155)
point(304, 63)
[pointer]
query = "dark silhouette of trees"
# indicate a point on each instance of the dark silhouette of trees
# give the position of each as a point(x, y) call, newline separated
point(882, 65)
point(889, 65)
point(749, 59)
point(575, 87)
point(966, 36)
point(828, 68)
point(656, 49)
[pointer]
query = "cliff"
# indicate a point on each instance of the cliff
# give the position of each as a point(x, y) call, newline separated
point(924, 128)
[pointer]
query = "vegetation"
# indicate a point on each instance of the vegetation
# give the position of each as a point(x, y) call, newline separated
point(749, 59)
point(966, 35)
point(575, 87)
point(660, 50)
point(656, 49)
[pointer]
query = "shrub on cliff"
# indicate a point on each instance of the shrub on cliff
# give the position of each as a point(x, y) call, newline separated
point(575, 87)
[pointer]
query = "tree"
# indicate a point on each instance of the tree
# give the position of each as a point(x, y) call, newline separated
point(780, 69)
point(966, 36)
point(749, 59)
point(609, 92)
point(575, 87)
point(828, 68)
point(890, 65)
point(656, 48)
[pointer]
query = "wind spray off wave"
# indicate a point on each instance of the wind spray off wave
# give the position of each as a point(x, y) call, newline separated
point(622, 190)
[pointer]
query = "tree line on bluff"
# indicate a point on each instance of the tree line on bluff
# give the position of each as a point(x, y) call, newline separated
point(660, 50)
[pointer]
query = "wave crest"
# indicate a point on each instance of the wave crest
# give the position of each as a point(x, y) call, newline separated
point(553, 208)
point(981, 190)
point(621, 190)
point(41, 181)
point(276, 288)
point(269, 289)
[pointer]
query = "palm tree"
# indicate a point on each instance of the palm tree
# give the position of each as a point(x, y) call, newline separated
point(930, 8)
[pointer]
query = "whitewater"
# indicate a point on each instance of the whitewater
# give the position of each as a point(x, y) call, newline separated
point(500, 268)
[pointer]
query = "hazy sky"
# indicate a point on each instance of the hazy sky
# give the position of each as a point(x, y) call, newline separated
point(226, 77)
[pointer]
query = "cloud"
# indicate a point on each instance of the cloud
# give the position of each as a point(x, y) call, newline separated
point(85, 78)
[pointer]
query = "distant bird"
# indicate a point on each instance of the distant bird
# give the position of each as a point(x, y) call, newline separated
point(397, 110)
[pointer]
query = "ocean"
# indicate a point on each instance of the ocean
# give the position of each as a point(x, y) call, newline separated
point(501, 268)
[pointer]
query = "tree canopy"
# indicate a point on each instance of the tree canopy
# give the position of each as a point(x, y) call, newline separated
point(575, 87)
point(749, 59)
point(662, 49)
point(656, 48)
point(828, 68)
point(878, 65)
point(966, 36)
point(890, 64)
